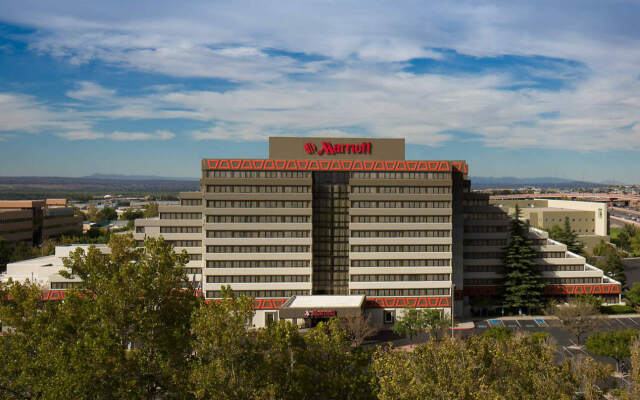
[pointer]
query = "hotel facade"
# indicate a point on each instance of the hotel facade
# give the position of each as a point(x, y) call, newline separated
point(336, 226)
point(337, 217)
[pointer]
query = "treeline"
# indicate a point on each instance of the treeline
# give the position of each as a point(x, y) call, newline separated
point(136, 330)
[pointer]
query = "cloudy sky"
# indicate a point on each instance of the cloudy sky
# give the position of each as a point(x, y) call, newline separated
point(518, 88)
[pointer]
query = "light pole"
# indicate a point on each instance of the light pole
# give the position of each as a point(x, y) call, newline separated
point(453, 286)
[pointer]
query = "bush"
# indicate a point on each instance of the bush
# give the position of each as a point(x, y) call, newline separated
point(539, 337)
point(498, 333)
point(617, 309)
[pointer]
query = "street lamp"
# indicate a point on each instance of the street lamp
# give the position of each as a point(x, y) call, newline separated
point(453, 286)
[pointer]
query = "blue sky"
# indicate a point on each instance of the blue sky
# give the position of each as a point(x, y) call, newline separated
point(516, 88)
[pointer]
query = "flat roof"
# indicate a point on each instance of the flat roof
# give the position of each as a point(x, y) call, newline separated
point(322, 301)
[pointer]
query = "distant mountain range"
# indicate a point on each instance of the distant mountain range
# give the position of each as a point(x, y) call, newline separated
point(136, 177)
point(481, 182)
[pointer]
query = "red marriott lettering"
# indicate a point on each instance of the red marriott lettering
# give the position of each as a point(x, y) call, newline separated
point(340, 148)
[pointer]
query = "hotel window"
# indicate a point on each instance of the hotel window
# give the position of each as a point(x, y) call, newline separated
point(257, 189)
point(185, 243)
point(401, 292)
point(400, 248)
point(191, 202)
point(399, 277)
point(180, 229)
point(258, 249)
point(258, 234)
point(139, 229)
point(257, 278)
point(258, 264)
point(400, 263)
point(253, 219)
point(180, 215)
point(260, 293)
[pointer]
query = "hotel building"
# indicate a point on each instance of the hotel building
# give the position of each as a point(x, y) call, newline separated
point(336, 226)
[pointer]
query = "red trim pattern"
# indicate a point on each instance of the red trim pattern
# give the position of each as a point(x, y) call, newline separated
point(563, 290)
point(334, 165)
point(407, 302)
point(260, 304)
point(550, 290)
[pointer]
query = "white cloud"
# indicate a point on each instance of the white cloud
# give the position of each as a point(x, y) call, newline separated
point(90, 91)
point(359, 82)
point(117, 135)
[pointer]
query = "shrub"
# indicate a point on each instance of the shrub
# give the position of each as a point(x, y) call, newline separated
point(617, 309)
point(498, 333)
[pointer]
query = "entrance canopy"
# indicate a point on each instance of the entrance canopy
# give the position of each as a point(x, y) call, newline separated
point(321, 307)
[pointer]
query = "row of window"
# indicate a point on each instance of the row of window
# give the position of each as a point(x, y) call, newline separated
point(561, 267)
point(393, 234)
point(258, 204)
point(256, 278)
point(258, 249)
point(401, 219)
point(484, 268)
point(257, 189)
point(400, 248)
point(191, 202)
point(260, 293)
point(485, 242)
point(475, 202)
point(258, 234)
point(399, 277)
point(194, 271)
point(485, 216)
point(180, 215)
point(258, 263)
point(485, 228)
point(185, 243)
point(259, 174)
point(400, 175)
point(66, 285)
point(400, 204)
point(402, 189)
point(556, 281)
point(401, 292)
point(258, 219)
point(550, 254)
point(400, 263)
point(195, 257)
point(481, 255)
point(472, 282)
point(180, 229)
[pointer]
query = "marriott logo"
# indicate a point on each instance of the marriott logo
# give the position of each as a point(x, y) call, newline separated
point(328, 148)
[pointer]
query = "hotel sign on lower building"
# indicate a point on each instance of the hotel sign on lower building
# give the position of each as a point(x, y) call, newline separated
point(319, 314)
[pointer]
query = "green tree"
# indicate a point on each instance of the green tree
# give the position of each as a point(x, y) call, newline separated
point(579, 315)
point(413, 321)
point(151, 210)
point(126, 334)
point(614, 344)
point(480, 368)
point(107, 214)
point(610, 261)
point(633, 294)
point(92, 213)
point(131, 215)
point(522, 280)
point(499, 333)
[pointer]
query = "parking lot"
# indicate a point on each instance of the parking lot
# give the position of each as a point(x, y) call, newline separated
point(565, 340)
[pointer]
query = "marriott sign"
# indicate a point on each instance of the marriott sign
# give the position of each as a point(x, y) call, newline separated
point(340, 148)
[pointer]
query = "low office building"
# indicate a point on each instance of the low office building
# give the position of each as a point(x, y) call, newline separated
point(590, 220)
point(34, 221)
point(336, 227)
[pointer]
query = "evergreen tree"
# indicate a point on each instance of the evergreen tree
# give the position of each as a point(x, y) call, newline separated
point(567, 236)
point(522, 284)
